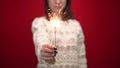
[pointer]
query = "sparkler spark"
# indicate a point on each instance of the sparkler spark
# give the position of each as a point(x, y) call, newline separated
point(55, 18)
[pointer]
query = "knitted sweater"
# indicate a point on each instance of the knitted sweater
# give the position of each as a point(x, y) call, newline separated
point(69, 39)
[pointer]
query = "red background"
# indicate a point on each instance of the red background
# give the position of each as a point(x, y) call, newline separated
point(99, 19)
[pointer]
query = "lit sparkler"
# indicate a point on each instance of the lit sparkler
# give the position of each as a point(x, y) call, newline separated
point(55, 19)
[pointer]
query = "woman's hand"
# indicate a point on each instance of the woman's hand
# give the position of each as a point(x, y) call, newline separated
point(48, 52)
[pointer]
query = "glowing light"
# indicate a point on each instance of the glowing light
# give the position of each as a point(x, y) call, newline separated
point(55, 20)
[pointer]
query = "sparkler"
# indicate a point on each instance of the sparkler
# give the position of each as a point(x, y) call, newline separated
point(54, 22)
point(55, 19)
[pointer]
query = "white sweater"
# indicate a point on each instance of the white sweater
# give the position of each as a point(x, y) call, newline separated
point(69, 43)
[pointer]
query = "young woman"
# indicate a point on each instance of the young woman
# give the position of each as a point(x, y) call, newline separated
point(68, 51)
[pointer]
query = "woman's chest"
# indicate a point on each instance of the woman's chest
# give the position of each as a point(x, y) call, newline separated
point(64, 34)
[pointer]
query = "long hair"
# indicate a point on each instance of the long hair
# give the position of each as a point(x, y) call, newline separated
point(66, 13)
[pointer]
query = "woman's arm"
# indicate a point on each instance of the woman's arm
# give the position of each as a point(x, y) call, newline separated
point(40, 35)
point(81, 49)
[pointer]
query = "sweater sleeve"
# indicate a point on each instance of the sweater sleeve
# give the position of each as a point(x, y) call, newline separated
point(81, 48)
point(40, 35)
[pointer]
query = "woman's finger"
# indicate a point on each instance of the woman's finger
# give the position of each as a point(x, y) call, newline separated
point(47, 50)
point(48, 58)
point(44, 54)
point(50, 46)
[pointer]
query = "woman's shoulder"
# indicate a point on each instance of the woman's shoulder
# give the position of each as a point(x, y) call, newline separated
point(74, 22)
point(39, 20)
